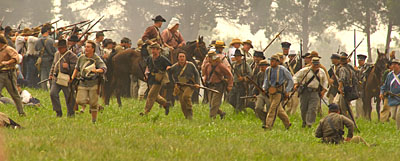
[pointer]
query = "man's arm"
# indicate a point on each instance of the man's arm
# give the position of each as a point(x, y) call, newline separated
point(266, 84)
point(289, 79)
point(349, 124)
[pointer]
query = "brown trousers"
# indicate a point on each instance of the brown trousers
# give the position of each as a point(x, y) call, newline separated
point(276, 109)
point(154, 96)
point(88, 95)
point(185, 98)
point(385, 113)
point(292, 105)
point(215, 99)
point(11, 86)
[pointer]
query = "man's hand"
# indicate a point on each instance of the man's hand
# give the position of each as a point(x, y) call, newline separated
point(180, 45)
point(356, 68)
point(197, 85)
point(94, 70)
point(286, 95)
point(168, 67)
point(381, 96)
point(331, 81)
point(229, 89)
point(51, 77)
point(240, 78)
point(347, 139)
point(295, 87)
point(322, 93)
point(65, 65)
point(4, 63)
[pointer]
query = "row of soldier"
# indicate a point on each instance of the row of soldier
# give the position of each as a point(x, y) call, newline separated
point(277, 84)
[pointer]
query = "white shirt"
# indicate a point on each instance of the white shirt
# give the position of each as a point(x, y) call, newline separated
point(314, 83)
point(31, 46)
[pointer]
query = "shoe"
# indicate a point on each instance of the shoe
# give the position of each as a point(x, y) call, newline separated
point(222, 115)
point(141, 114)
point(22, 114)
point(59, 114)
point(308, 126)
point(303, 125)
point(167, 108)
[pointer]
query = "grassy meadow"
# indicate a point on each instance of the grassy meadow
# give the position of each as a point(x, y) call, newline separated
point(121, 134)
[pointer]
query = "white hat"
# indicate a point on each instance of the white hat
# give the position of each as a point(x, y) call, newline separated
point(292, 52)
point(174, 21)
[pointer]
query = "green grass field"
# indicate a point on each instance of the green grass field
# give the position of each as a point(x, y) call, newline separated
point(121, 134)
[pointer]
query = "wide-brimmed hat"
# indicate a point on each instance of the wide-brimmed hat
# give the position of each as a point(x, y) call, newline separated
point(292, 52)
point(248, 42)
point(27, 32)
point(314, 54)
point(259, 54)
point(238, 53)
point(306, 55)
point(155, 45)
point(315, 60)
point(263, 62)
point(219, 44)
point(274, 57)
point(397, 61)
point(335, 56)
point(61, 43)
point(98, 34)
point(280, 55)
point(235, 41)
point(159, 18)
point(212, 43)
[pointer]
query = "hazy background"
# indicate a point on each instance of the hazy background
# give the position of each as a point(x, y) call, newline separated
point(323, 25)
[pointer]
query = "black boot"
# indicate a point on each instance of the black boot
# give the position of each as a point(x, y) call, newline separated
point(167, 108)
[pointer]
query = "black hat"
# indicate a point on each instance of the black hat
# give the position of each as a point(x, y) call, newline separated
point(286, 45)
point(361, 57)
point(305, 55)
point(335, 56)
point(343, 56)
point(126, 40)
point(238, 53)
point(76, 29)
point(73, 38)
point(259, 54)
point(159, 18)
point(107, 41)
point(98, 34)
point(333, 107)
point(61, 44)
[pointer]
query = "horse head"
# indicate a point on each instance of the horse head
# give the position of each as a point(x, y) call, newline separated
point(381, 61)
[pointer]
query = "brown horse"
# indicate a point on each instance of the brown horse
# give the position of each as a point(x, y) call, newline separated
point(372, 85)
point(121, 66)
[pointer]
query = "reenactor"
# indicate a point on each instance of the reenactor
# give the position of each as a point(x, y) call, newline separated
point(293, 65)
point(346, 79)
point(362, 74)
point(186, 78)
point(276, 76)
point(312, 84)
point(391, 88)
point(333, 81)
point(262, 102)
point(157, 66)
point(218, 77)
point(386, 111)
point(90, 68)
point(331, 128)
point(240, 70)
point(152, 34)
point(8, 74)
point(247, 45)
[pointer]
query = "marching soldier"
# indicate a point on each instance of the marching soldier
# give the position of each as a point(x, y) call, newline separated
point(219, 50)
point(276, 76)
point(99, 46)
point(262, 102)
point(45, 46)
point(241, 69)
point(8, 75)
point(346, 76)
point(185, 73)
point(234, 45)
point(157, 66)
point(247, 45)
point(293, 65)
point(362, 71)
point(391, 88)
point(330, 128)
point(63, 65)
point(285, 48)
point(312, 84)
point(255, 69)
point(218, 77)
point(307, 59)
point(333, 74)
point(90, 67)
point(152, 34)
point(171, 35)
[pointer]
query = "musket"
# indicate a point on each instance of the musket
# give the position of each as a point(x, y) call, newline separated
point(100, 31)
point(191, 85)
point(277, 35)
point(19, 27)
point(255, 84)
point(301, 53)
point(73, 25)
point(352, 52)
point(43, 81)
point(87, 30)
point(351, 115)
point(49, 22)
point(291, 95)
point(338, 50)
point(1, 22)
point(248, 97)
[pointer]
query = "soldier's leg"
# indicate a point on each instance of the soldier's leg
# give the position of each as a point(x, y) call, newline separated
point(385, 113)
point(233, 97)
point(319, 107)
point(343, 106)
point(68, 101)
point(187, 101)
point(304, 107)
point(283, 116)
point(55, 98)
point(313, 102)
point(134, 86)
point(215, 100)
point(259, 110)
point(11, 86)
point(331, 97)
point(295, 103)
point(142, 89)
point(93, 102)
point(397, 117)
point(82, 96)
point(44, 74)
point(358, 139)
point(394, 112)
point(275, 101)
point(289, 105)
point(152, 96)
point(359, 108)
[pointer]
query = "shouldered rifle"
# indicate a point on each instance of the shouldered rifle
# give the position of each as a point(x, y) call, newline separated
point(100, 31)
point(352, 52)
point(248, 97)
point(87, 30)
point(301, 54)
point(276, 36)
point(192, 85)
point(48, 22)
